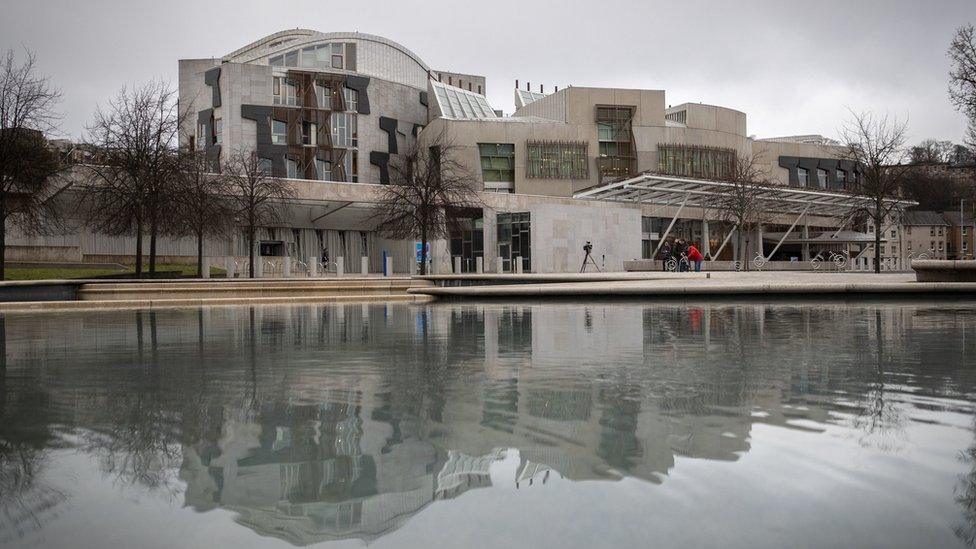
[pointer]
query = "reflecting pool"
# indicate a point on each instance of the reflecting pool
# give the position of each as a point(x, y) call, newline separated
point(550, 424)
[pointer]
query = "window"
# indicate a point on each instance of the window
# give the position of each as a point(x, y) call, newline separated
point(202, 132)
point(616, 154)
point(320, 56)
point(932, 245)
point(291, 169)
point(893, 233)
point(821, 178)
point(264, 166)
point(909, 246)
point(940, 246)
point(931, 231)
point(336, 56)
point(351, 97)
point(350, 163)
point(695, 161)
point(344, 133)
point(283, 92)
point(556, 160)
point(497, 162)
point(323, 169)
point(279, 132)
point(940, 231)
point(842, 179)
point(965, 230)
point(514, 239)
point(802, 177)
point(291, 59)
point(323, 96)
point(218, 131)
point(965, 245)
point(309, 134)
point(908, 230)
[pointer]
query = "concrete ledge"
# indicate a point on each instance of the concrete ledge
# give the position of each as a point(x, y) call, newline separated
point(26, 306)
point(487, 279)
point(810, 289)
point(940, 270)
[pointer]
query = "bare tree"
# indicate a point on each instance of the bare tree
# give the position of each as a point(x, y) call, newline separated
point(202, 206)
point(257, 195)
point(27, 162)
point(876, 144)
point(428, 187)
point(741, 204)
point(962, 76)
point(131, 185)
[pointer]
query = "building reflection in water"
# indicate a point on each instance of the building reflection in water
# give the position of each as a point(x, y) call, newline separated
point(319, 423)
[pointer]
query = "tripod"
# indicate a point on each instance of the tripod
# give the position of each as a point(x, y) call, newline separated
point(589, 259)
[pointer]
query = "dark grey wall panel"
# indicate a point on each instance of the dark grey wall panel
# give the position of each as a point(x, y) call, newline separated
point(791, 163)
point(261, 114)
point(423, 99)
point(212, 79)
point(389, 125)
point(382, 161)
point(360, 84)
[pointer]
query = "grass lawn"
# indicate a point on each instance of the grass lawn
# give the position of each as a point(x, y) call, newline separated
point(46, 273)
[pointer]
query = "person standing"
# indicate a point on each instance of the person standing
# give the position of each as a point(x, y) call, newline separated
point(695, 257)
point(665, 255)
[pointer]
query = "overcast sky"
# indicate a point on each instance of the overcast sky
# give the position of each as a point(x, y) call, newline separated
point(793, 67)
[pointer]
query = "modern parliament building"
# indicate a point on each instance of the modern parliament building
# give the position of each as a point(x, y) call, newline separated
point(621, 168)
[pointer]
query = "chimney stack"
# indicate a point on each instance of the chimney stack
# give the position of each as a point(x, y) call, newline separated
point(555, 89)
point(516, 83)
point(540, 88)
point(528, 86)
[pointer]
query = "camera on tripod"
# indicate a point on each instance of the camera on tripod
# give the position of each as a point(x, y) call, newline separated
point(588, 257)
point(588, 248)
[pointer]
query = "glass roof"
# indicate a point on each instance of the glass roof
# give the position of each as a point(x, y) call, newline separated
point(524, 97)
point(457, 103)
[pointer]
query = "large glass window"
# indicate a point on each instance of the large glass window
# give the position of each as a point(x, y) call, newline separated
point(283, 92)
point(344, 133)
point(556, 160)
point(842, 179)
point(291, 168)
point(350, 164)
point(323, 96)
point(202, 141)
point(309, 133)
point(822, 178)
point(351, 98)
point(497, 162)
point(323, 169)
point(695, 161)
point(279, 132)
point(264, 166)
point(616, 155)
point(514, 239)
point(803, 177)
point(218, 131)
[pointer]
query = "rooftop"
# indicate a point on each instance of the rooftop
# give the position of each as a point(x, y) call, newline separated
point(461, 104)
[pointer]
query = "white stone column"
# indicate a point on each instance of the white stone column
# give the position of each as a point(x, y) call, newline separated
point(500, 265)
point(759, 240)
point(389, 265)
point(286, 267)
point(205, 268)
point(479, 264)
point(706, 241)
point(340, 266)
point(806, 245)
point(364, 265)
point(519, 266)
point(313, 266)
point(457, 264)
point(258, 266)
point(231, 266)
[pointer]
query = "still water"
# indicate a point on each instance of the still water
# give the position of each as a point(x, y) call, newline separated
point(562, 424)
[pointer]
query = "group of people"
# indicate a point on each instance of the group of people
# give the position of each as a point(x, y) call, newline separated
point(686, 256)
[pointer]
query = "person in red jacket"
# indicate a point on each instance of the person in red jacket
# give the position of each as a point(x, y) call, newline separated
point(695, 257)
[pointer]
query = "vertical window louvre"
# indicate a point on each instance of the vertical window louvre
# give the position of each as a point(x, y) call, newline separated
point(557, 160)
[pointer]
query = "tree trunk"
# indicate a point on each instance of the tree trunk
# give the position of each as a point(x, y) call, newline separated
point(153, 229)
point(200, 254)
point(423, 252)
point(3, 248)
point(877, 245)
point(738, 244)
point(139, 246)
point(250, 249)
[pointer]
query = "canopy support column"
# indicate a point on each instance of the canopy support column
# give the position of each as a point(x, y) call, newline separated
point(670, 226)
point(724, 242)
point(781, 240)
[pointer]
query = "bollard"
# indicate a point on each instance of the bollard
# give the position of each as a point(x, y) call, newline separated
point(258, 267)
point(479, 264)
point(500, 266)
point(340, 266)
point(286, 267)
point(457, 264)
point(205, 268)
point(313, 266)
point(364, 265)
point(388, 271)
point(518, 264)
point(231, 267)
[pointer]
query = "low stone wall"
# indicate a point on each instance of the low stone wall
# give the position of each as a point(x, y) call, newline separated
point(656, 265)
point(43, 254)
point(131, 259)
point(937, 270)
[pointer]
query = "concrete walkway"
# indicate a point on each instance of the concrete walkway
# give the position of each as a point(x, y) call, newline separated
point(717, 283)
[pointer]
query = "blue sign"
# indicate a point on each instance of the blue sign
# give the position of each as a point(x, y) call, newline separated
point(418, 250)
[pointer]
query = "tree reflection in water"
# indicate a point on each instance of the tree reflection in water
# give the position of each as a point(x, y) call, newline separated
point(318, 423)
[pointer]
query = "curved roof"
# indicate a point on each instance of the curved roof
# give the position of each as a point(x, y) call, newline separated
point(289, 39)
